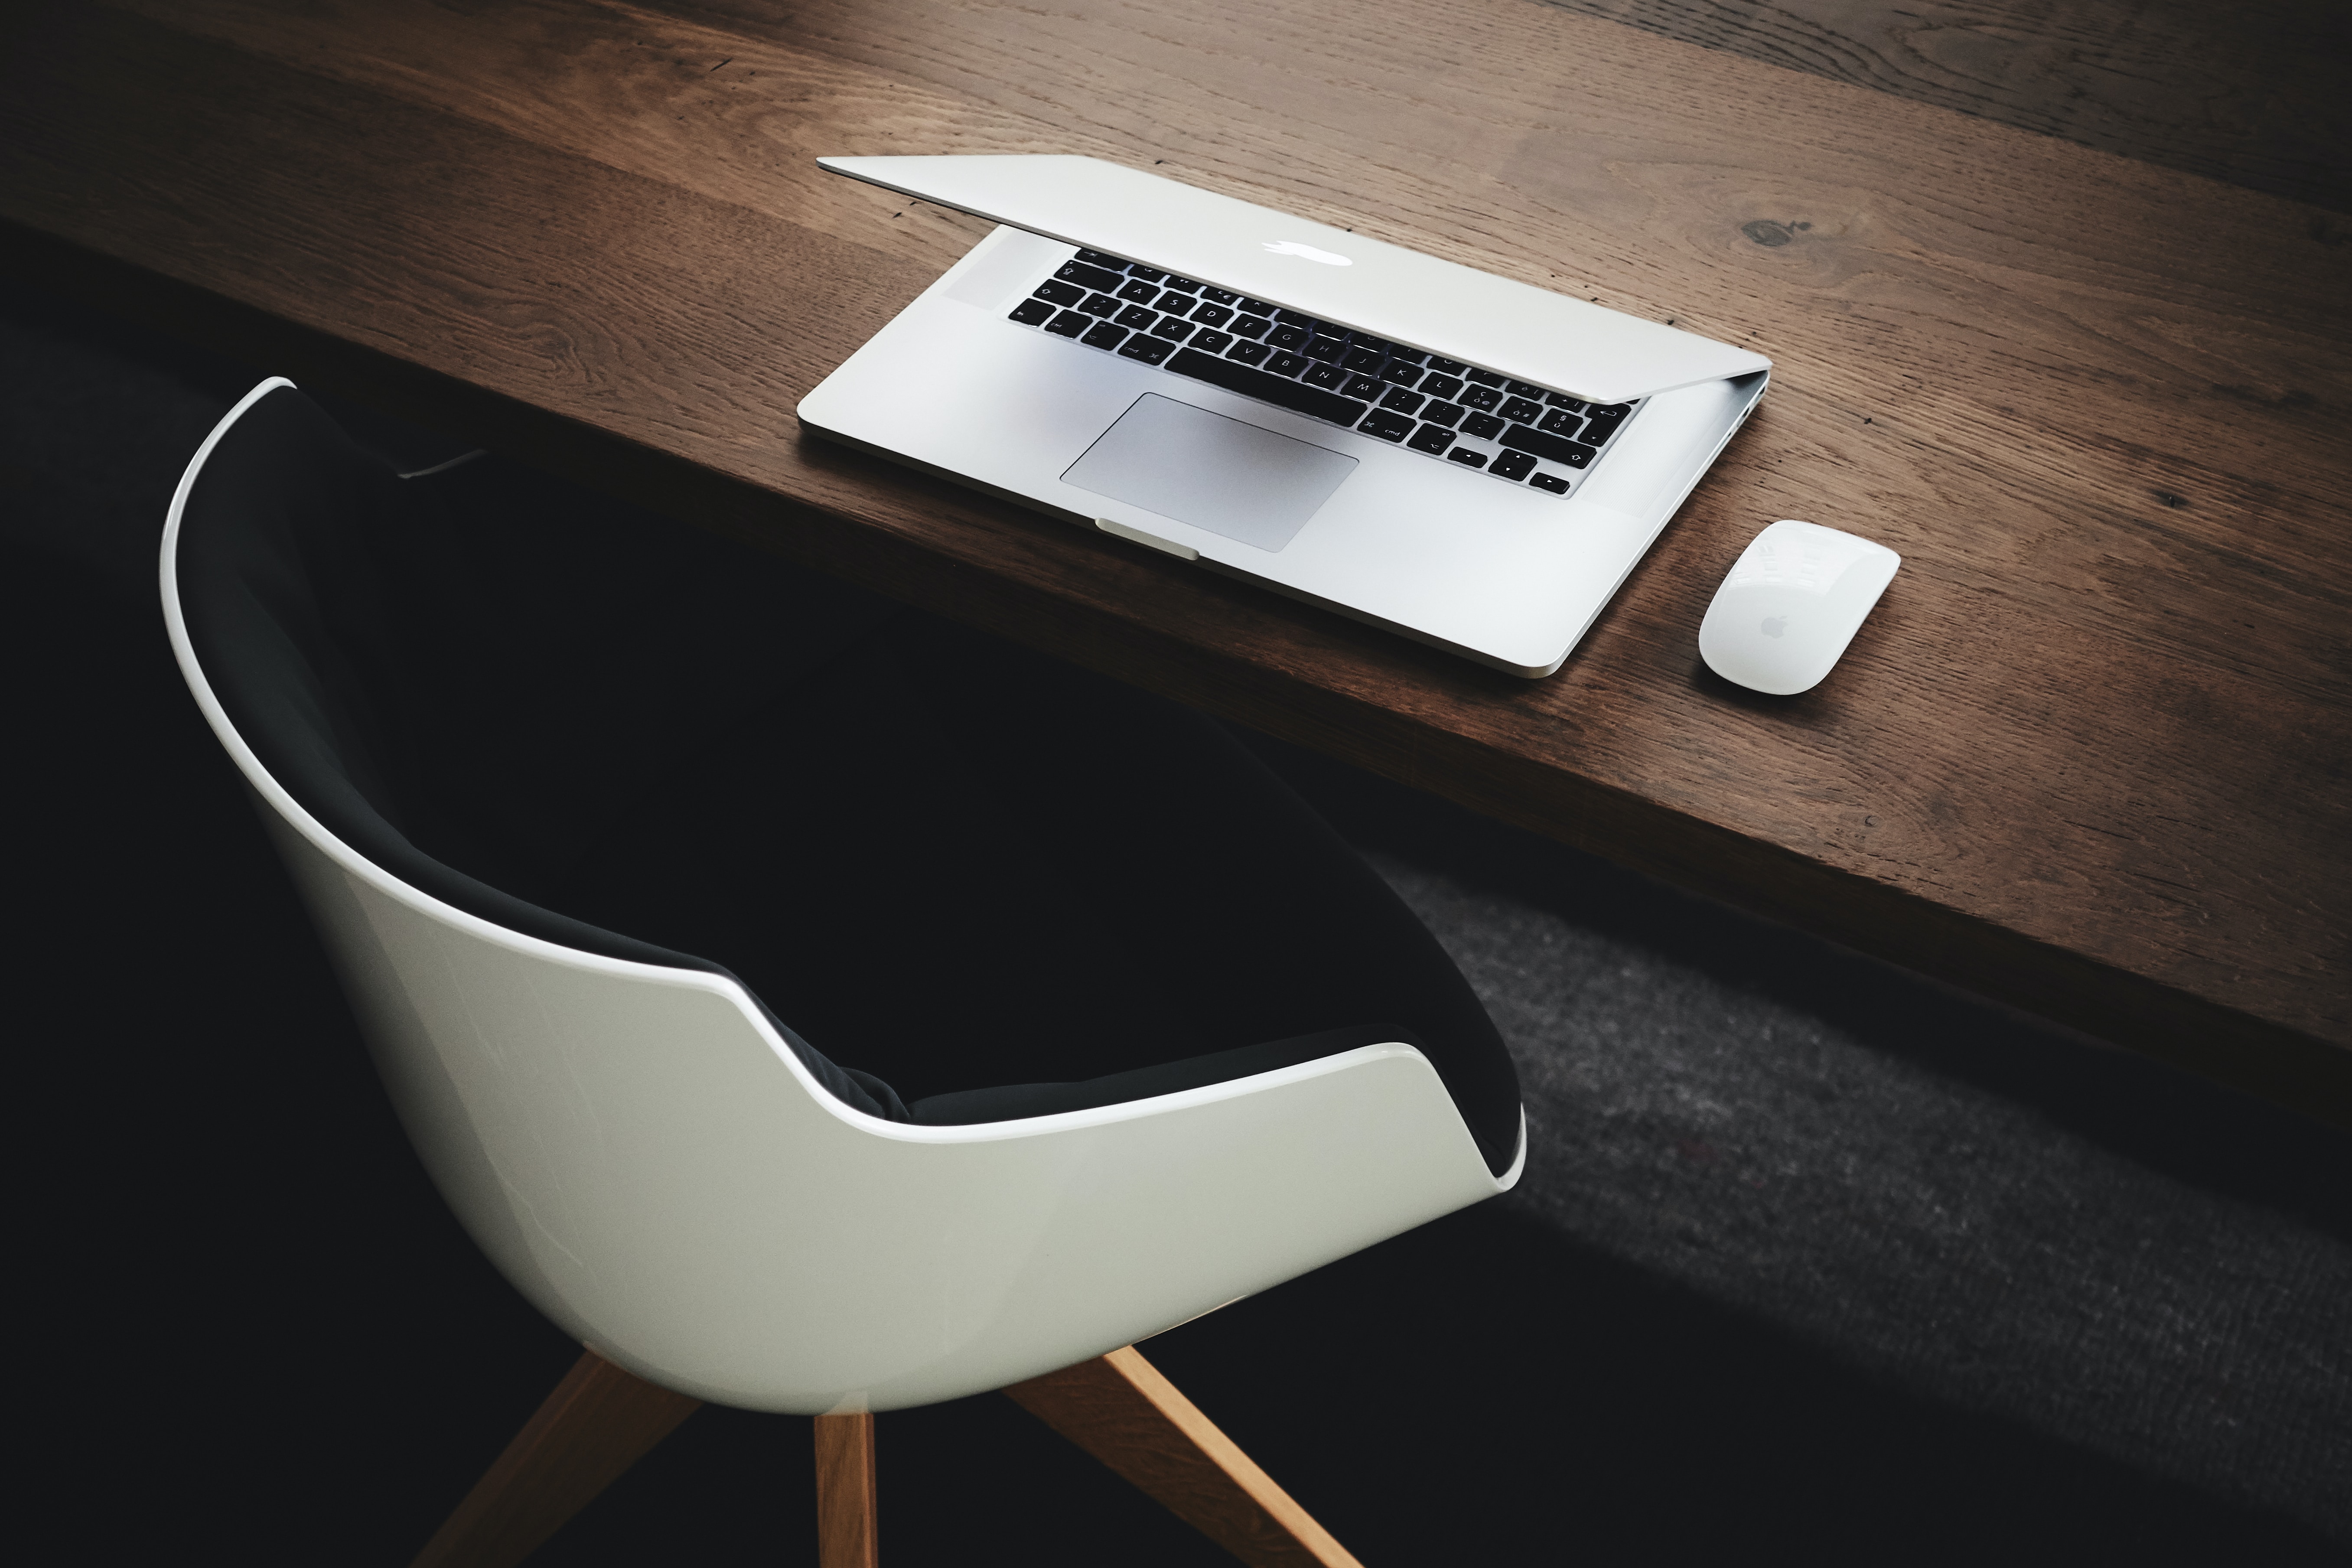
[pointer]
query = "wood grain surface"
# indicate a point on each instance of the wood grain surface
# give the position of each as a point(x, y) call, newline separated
point(848, 1501)
point(2088, 756)
point(2252, 94)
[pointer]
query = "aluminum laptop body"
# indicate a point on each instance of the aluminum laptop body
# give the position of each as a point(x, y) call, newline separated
point(1456, 457)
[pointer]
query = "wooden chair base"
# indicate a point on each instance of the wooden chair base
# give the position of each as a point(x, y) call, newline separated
point(846, 1510)
point(601, 1420)
point(1120, 1409)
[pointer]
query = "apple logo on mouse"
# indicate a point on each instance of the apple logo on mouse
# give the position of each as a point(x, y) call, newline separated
point(1790, 604)
point(1292, 248)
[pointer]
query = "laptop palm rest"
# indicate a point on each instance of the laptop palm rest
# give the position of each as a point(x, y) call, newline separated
point(1223, 475)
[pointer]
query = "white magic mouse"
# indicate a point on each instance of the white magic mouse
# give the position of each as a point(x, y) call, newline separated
point(1793, 601)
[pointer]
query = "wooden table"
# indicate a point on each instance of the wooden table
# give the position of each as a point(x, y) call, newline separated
point(2087, 757)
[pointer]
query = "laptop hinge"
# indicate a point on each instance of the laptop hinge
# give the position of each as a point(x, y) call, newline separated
point(1181, 551)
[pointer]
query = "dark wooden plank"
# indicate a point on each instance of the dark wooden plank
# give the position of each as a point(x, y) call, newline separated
point(2251, 94)
point(2087, 757)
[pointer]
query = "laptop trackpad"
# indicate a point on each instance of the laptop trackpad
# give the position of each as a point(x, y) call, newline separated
point(1212, 472)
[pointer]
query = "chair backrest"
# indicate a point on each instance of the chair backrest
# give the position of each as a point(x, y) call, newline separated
point(652, 1160)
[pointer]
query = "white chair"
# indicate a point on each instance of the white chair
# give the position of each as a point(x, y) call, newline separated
point(654, 1163)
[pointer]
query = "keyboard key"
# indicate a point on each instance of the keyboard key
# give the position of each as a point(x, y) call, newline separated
point(1559, 421)
point(1410, 356)
point(1367, 360)
point(1060, 293)
point(1218, 296)
point(1433, 439)
point(1288, 335)
point(1185, 284)
point(1520, 410)
point(1512, 465)
point(1033, 312)
point(1290, 395)
point(1257, 307)
point(1135, 318)
point(1150, 350)
point(1388, 426)
point(1175, 329)
point(1379, 346)
point(1468, 455)
point(1148, 274)
point(1442, 414)
point(1212, 315)
point(1524, 390)
point(1562, 400)
point(1570, 454)
point(1248, 352)
point(1439, 385)
point(1403, 401)
point(1102, 335)
point(1329, 375)
point(1483, 377)
point(1069, 324)
point(1284, 363)
point(1097, 259)
point(1176, 301)
point(1366, 387)
point(1212, 343)
point(1485, 427)
point(1400, 372)
point(1248, 326)
point(1552, 482)
point(1325, 349)
point(1140, 292)
point(1479, 396)
point(1101, 280)
point(1101, 307)
point(1602, 423)
point(1446, 366)
point(1298, 319)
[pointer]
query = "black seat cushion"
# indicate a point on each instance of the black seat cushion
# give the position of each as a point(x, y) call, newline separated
point(1000, 884)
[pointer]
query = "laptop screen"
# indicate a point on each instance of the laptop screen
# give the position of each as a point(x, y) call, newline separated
point(1440, 307)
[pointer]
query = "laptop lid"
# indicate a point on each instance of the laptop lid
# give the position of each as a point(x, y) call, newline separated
point(1439, 307)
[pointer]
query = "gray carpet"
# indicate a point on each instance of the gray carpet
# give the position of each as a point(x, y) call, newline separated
point(2046, 1256)
point(1762, 1151)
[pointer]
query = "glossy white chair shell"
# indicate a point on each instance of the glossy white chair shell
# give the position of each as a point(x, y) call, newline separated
point(644, 1157)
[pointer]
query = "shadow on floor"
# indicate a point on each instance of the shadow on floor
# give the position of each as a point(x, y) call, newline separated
point(273, 1333)
point(2151, 1114)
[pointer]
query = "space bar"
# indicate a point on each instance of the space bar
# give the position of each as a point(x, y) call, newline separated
point(1276, 389)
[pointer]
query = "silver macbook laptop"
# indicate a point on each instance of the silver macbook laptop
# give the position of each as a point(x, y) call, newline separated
point(1465, 459)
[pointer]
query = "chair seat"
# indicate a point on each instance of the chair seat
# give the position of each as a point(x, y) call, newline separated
point(627, 841)
point(948, 869)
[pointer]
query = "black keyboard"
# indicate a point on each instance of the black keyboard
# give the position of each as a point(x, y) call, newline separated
point(1448, 410)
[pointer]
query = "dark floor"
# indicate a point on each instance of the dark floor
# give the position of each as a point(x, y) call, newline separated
point(1812, 1260)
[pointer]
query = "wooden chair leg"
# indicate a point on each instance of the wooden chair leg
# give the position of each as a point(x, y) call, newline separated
point(846, 1514)
point(1120, 1409)
point(599, 1421)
